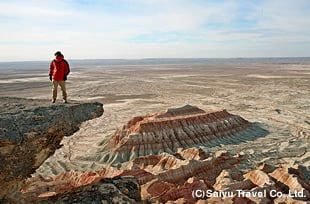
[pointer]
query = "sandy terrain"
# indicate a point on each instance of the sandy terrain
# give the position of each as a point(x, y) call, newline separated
point(276, 95)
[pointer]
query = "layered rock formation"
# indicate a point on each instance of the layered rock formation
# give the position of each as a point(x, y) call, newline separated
point(106, 190)
point(183, 178)
point(30, 132)
point(163, 174)
point(39, 186)
point(159, 155)
point(183, 127)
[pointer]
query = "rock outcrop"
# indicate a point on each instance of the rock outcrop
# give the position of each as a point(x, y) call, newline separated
point(176, 169)
point(161, 157)
point(172, 178)
point(106, 190)
point(39, 186)
point(30, 132)
point(183, 127)
point(165, 175)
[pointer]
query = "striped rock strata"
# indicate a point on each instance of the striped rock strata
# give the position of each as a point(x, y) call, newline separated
point(183, 127)
point(169, 178)
point(150, 171)
point(176, 169)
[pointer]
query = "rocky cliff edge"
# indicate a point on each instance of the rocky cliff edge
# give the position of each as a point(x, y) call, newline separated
point(30, 131)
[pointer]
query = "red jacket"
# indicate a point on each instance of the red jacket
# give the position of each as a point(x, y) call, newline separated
point(59, 67)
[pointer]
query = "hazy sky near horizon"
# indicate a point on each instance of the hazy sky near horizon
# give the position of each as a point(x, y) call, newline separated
point(93, 29)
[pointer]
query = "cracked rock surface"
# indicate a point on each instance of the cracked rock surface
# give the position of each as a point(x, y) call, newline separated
point(30, 132)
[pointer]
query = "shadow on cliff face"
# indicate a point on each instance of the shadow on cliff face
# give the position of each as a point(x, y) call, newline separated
point(249, 134)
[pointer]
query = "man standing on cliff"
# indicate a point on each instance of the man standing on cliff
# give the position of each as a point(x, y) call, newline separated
point(59, 69)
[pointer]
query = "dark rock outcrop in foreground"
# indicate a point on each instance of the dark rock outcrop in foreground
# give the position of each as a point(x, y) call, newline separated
point(30, 131)
point(107, 190)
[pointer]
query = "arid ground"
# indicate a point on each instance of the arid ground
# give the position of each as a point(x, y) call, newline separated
point(273, 93)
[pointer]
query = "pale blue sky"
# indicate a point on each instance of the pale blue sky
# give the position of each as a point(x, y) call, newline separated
point(35, 29)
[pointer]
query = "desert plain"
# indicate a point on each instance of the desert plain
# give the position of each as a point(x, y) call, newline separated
point(274, 93)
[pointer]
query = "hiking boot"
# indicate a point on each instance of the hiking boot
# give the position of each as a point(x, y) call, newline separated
point(53, 101)
point(65, 101)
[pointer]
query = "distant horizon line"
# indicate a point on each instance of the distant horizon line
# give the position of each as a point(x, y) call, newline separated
point(159, 58)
